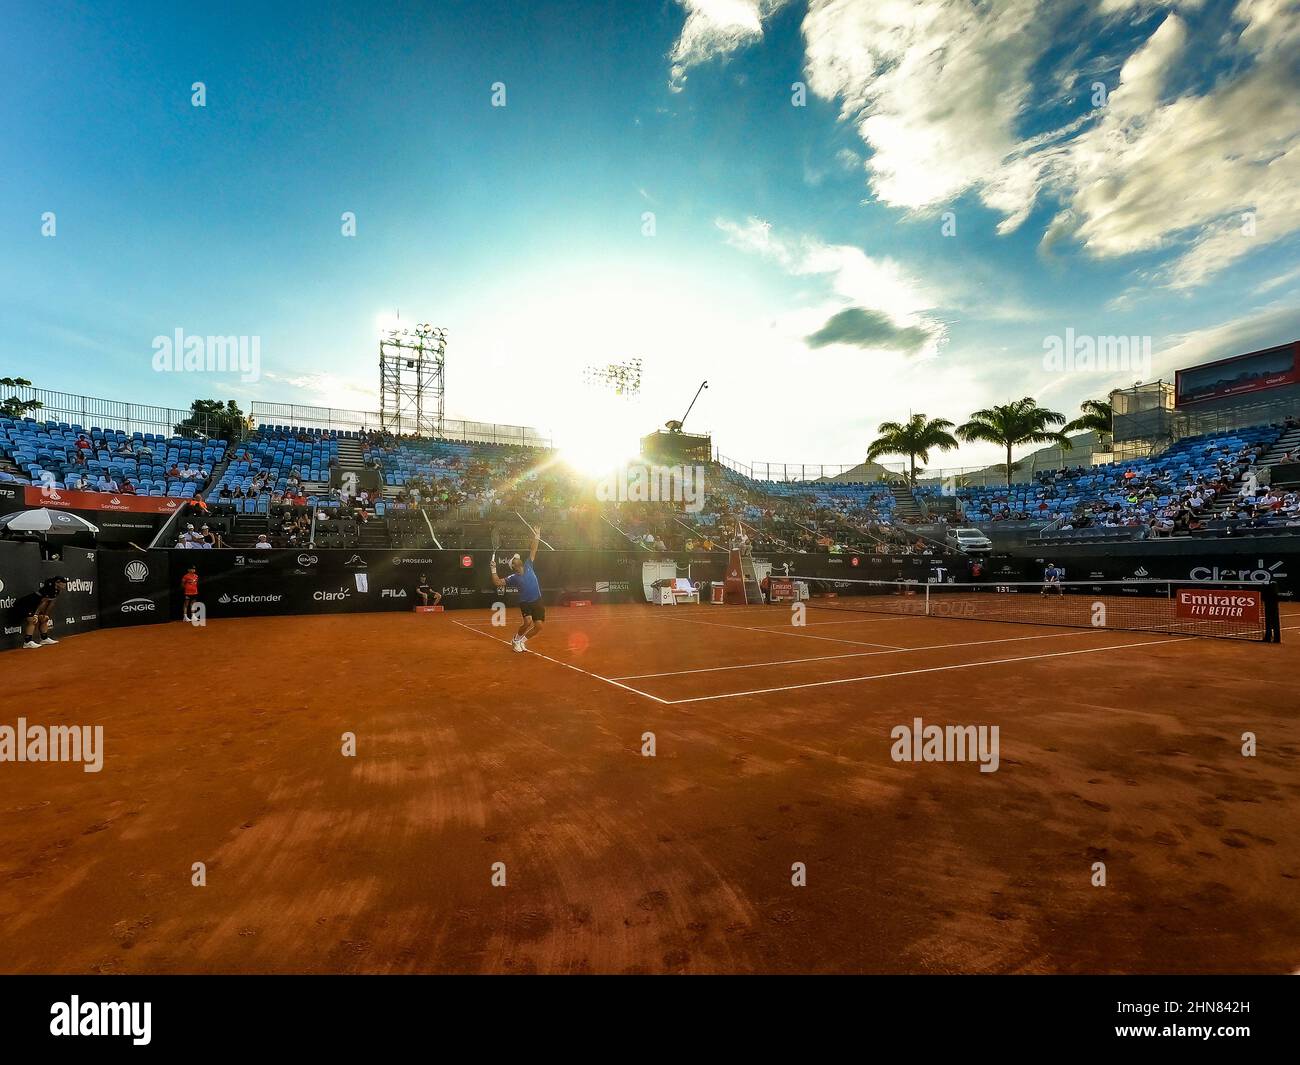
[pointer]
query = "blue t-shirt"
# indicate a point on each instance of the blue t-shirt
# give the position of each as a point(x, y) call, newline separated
point(529, 589)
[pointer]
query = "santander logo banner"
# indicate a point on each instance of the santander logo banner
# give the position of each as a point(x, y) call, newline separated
point(101, 501)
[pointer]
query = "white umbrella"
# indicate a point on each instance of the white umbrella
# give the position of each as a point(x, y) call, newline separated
point(46, 520)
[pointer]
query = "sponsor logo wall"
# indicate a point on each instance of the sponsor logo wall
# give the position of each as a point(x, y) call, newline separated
point(20, 573)
point(113, 588)
point(134, 587)
point(77, 609)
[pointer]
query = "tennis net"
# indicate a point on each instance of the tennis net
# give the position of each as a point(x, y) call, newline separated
point(1234, 610)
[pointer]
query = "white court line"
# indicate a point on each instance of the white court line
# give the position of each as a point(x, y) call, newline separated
point(781, 632)
point(774, 629)
point(930, 669)
point(566, 665)
point(861, 654)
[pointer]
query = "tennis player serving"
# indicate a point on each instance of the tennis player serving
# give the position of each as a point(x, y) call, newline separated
point(525, 582)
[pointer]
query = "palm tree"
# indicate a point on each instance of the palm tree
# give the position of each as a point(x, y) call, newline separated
point(1013, 424)
point(913, 438)
point(1097, 416)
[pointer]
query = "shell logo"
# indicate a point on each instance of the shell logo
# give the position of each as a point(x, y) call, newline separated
point(136, 572)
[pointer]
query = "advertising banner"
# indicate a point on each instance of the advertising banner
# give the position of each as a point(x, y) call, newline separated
point(20, 574)
point(77, 609)
point(105, 502)
point(134, 588)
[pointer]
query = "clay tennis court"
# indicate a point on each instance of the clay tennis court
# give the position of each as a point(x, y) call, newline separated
point(773, 747)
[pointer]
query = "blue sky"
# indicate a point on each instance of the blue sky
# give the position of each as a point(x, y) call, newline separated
point(522, 229)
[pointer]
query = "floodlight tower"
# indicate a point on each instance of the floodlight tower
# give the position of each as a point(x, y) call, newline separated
point(412, 379)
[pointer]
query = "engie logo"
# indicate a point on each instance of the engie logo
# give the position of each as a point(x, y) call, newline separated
point(136, 572)
point(139, 606)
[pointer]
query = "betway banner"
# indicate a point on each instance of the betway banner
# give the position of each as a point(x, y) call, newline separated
point(36, 496)
point(77, 608)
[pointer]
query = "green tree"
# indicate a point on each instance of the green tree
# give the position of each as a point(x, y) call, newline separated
point(913, 438)
point(214, 419)
point(1013, 424)
point(1098, 415)
point(12, 406)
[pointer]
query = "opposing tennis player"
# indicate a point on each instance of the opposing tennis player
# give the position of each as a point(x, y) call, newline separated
point(524, 581)
point(1052, 580)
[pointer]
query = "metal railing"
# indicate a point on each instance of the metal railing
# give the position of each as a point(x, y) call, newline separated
point(356, 421)
point(92, 412)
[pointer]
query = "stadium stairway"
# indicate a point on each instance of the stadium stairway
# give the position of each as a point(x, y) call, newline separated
point(373, 534)
point(1289, 441)
point(350, 454)
point(907, 510)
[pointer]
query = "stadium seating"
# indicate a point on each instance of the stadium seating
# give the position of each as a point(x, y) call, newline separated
point(1060, 494)
point(46, 453)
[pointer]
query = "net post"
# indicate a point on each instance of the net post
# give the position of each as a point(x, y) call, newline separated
point(927, 600)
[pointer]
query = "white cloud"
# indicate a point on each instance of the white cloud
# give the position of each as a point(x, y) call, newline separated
point(715, 28)
point(939, 90)
point(854, 278)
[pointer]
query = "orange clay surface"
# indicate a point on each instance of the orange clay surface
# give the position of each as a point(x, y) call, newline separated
point(223, 747)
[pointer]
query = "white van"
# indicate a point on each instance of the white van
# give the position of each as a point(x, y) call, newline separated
point(970, 541)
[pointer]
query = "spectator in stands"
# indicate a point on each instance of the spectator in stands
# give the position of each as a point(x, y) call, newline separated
point(263, 543)
point(174, 472)
point(83, 443)
point(106, 483)
point(124, 450)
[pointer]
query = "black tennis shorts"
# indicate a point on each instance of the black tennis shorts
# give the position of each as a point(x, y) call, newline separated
point(535, 610)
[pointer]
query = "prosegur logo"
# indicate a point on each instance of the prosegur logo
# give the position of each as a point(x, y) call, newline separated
point(1260, 575)
point(136, 572)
